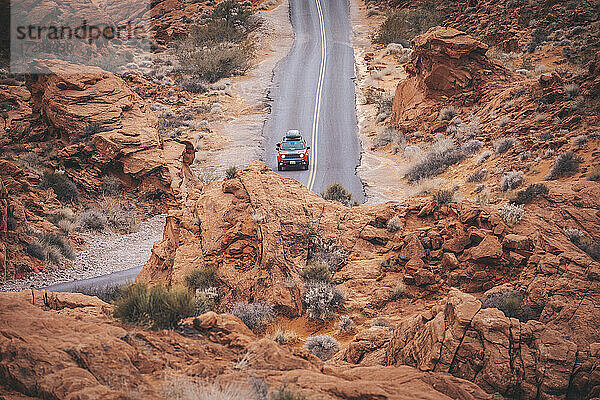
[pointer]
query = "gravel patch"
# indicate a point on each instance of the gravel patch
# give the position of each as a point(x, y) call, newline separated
point(106, 253)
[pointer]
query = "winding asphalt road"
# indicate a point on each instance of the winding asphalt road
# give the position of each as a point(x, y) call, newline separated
point(313, 91)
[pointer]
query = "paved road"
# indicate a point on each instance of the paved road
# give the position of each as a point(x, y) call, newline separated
point(90, 286)
point(314, 92)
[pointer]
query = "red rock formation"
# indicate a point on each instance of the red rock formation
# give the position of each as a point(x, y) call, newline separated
point(446, 63)
point(65, 346)
point(257, 229)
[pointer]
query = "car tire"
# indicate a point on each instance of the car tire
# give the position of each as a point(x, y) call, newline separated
point(279, 168)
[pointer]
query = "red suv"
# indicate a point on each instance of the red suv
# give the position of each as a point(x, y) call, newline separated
point(292, 151)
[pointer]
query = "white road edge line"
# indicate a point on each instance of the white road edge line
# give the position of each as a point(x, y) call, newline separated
point(315, 128)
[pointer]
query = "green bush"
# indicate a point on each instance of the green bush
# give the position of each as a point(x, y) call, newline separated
point(92, 220)
point(230, 172)
point(316, 271)
point(203, 278)
point(512, 304)
point(221, 60)
point(66, 191)
point(337, 192)
point(566, 164)
point(401, 26)
point(529, 194)
point(51, 248)
point(156, 307)
point(441, 155)
point(444, 196)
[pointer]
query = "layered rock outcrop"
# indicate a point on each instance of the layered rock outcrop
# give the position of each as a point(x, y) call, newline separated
point(446, 63)
point(502, 355)
point(65, 346)
point(109, 127)
point(260, 230)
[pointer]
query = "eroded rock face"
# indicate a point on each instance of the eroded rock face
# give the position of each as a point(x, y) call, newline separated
point(500, 354)
point(55, 345)
point(108, 126)
point(259, 229)
point(445, 62)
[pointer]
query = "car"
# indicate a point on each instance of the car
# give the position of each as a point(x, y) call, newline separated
point(292, 151)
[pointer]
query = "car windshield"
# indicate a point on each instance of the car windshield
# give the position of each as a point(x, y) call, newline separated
point(291, 146)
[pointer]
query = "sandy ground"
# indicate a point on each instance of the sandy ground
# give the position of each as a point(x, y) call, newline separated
point(239, 130)
point(380, 172)
point(104, 254)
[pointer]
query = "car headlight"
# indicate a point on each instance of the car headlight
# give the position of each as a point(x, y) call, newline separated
point(283, 156)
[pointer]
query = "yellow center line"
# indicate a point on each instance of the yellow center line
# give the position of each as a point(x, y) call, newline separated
point(315, 127)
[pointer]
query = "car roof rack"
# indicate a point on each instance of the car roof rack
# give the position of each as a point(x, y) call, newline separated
point(293, 134)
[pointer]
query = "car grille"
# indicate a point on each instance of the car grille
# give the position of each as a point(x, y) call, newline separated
point(293, 156)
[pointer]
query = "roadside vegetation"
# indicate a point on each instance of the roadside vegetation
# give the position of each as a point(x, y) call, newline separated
point(402, 25)
point(219, 46)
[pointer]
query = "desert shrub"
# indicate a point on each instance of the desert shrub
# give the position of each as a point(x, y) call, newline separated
point(511, 214)
point(478, 176)
point(394, 224)
point(206, 300)
point(448, 113)
point(326, 252)
point(316, 271)
point(511, 180)
point(412, 151)
point(193, 85)
point(443, 196)
point(387, 136)
point(322, 300)
point(117, 217)
point(548, 153)
point(35, 250)
point(66, 191)
point(380, 322)
point(202, 278)
point(526, 155)
point(322, 346)
point(256, 316)
point(230, 172)
point(580, 140)
point(337, 192)
point(112, 186)
point(401, 26)
point(571, 90)
point(594, 174)
point(442, 154)
point(221, 60)
point(584, 242)
point(529, 194)
point(92, 220)
point(511, 303)
point(503, 145)
point(62, 214)
point(484, 156)
point(207, 175)
point(58, 242)
point(472, 146)
point(399, 291)
point(566, 164)
point(287, 394)
point(182, 388)
point(156, 307)
point(284, 337)
point(384, 102)
point(466, 131)
point(346, 325)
